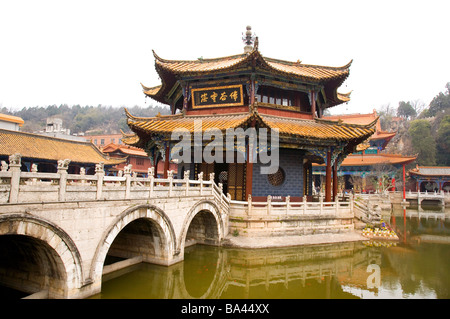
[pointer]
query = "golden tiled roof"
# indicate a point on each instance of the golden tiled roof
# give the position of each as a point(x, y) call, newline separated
point(306, 71)
point(50, 148)
point(166, 124)
point(316, 129)
point(171, 70)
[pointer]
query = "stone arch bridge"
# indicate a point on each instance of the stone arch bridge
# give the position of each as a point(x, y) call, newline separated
point(57, 229)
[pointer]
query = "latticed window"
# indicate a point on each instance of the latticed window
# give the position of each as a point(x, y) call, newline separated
point(277, 178)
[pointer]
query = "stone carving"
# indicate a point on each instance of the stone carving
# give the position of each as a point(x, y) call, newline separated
point(127, 169)
point(14, 159)
point(63, 164)
point(99, 168)
point(4, 166)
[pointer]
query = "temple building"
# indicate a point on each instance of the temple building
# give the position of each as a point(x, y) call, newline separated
point(138, 158)
point(281, 102)
point(370, 158)
point(431, 178)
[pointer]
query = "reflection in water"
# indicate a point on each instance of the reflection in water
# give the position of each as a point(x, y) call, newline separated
point(416, 268)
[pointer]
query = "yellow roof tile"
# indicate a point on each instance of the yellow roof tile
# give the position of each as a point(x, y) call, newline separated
point(50, 148)
point(316, 129)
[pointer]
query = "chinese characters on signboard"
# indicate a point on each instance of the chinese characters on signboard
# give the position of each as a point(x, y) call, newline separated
point(217, 96)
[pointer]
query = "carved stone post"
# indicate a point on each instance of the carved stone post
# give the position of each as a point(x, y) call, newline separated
point(100, 173)
point(14, 168)
point(63, 165)
point(151, 175)
point(186, 181)
point(127, 173)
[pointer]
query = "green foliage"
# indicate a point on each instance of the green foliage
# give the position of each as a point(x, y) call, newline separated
point(423, 142)
point(443, 142)
point(84, 119)
point(406, 110)
point(440, 103)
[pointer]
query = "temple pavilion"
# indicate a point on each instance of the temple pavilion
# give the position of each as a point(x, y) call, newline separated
point(243, 91)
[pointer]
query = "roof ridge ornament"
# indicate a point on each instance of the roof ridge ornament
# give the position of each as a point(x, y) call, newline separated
point(249, 39)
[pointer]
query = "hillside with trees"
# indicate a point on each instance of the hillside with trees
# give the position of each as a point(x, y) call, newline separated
point(422, 130)
point(89, 120)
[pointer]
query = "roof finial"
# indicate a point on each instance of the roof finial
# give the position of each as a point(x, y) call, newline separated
point(248, 39)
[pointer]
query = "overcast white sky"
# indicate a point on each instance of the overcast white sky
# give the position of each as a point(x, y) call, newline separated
point(97, 52)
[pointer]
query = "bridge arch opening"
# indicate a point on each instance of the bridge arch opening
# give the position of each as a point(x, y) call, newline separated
point(140, 238)
point(38, 256)
point(29, 265)
point(203, 229)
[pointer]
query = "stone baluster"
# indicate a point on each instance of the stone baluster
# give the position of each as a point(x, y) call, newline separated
point(34, 169)
point(305, 203)
point(63, 166)
point(100, 173)
point(186, 181)
point(151, 175)
point(269, 204)
point(249, 205)
point(200, 178)
point(320, 203)
point(170, 178)
point(127, 173)
point(288, 204)
point(336, 210)
point(14, 168)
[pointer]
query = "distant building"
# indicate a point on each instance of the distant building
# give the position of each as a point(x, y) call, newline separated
point(102, 140)
point(137, 157)
point(54, 128)
point(10, 122)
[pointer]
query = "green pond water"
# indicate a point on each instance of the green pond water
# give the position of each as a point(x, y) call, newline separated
point(416, 266)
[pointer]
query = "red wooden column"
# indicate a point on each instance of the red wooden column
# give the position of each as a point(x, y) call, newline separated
point(404, 183)
point(167, 160)
point(328, 178)
point(335, 180)
point(313, 103)
point(249, 168)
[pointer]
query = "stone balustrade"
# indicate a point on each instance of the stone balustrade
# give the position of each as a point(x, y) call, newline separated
point(31, 187)
point(272, 218)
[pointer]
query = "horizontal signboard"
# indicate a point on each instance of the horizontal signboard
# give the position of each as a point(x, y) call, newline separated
point(217, 96)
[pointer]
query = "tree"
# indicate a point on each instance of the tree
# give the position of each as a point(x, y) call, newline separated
point(423, 142)
point(443, 142)
point(441, 102)
point(405, 110)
